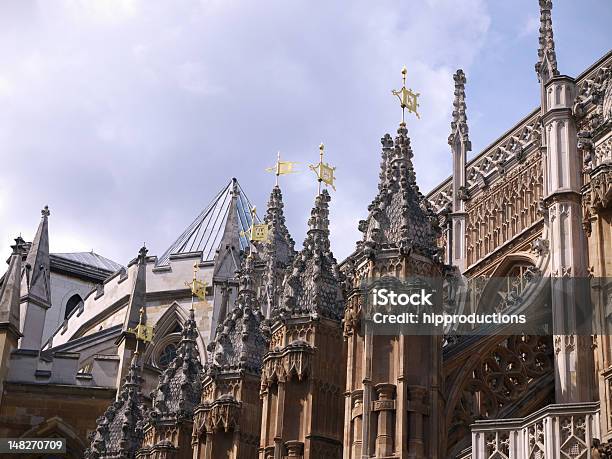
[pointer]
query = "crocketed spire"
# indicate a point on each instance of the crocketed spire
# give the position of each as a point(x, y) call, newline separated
point(546, 67)
point(119, 430)
point(36, 287)
point(10, 290)
point(241, 340)
point(138, 293)
point(277, 252)
point(312, 284)
point(38, 283)
point(180, 386)
point(399, 216)
point(275, 217)
point(459, 126)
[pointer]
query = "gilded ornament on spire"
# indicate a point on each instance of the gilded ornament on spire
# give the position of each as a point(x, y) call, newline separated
point(198, 287)
point(142, 331)
point(258, 232)
point(282, 167)
point(323, 171)
point(408, 99)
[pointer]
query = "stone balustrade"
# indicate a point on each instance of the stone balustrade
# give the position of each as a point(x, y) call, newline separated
point(555, 432)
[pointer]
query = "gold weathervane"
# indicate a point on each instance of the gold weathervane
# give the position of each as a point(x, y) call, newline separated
point(282, 167)
point(408, 99)
point(198, 287)
point(324, 172)
point(142, 331)
point(259, 231)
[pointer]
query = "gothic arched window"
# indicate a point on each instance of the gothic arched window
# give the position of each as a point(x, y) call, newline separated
point(72, 303)
point(166, 355)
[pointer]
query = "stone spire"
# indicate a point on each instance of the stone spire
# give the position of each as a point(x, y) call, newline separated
point(180, 386)
point(312, 285)
point(10, 291)
point(459, 126)
point(127, 342)
point(119, 430)
point(227, 261)
point(226, 258)
point(277, 252)
point(399, 216)
point(36, 286)
point(546, 67)
point(139, 292)
point(240, 341)
point(460, 144)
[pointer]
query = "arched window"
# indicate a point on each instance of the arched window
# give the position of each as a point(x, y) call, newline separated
point(74, 301)
point(166, 355)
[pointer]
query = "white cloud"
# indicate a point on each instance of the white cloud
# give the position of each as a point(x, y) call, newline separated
point(126, 117)
point(530, 26)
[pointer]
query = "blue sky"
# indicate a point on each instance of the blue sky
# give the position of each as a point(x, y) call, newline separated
point(127, 116)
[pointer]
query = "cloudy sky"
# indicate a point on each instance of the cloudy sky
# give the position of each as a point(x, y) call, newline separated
point(127, 116)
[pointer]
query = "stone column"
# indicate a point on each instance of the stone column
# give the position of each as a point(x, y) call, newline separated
point(417, 410)
point(574, 367)
point(385, 407)
point(280, 414)
point(295, 449)
point(357, 421)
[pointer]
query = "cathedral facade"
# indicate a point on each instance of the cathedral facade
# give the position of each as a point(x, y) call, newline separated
point(229, 347)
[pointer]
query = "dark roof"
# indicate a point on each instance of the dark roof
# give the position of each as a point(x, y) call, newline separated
point(90, 259)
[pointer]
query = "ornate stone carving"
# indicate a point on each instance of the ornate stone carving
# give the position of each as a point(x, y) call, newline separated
point(499, 380)
point(277, 252)
point(546, 67)
point(282, 365)
point(399, 216)
point(311, 286)
point(242, 338)
point(180, 387)
point(507, 209)
point(459, 124)
point(221, 415)
point(517, 145)
point(119, 430)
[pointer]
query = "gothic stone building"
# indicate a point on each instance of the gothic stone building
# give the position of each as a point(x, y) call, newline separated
point(272, 361)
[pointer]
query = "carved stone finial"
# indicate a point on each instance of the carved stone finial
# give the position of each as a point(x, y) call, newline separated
point(311, 285)
point(546, 67)
point(277, 252)
point(142, 254)
point(180, 386)
point(119, 430)
point(45, 212)
point(246, 290)
point(18, 247)
point(459, 126)
point(398, 200)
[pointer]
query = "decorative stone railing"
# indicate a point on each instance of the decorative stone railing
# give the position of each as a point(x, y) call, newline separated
point(554, 432)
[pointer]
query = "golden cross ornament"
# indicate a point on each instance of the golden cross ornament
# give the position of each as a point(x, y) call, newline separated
point(259, 231)
point(198, 288)
point(282, 167)
point(142, 331)
point(324, 172)
point(407, 98)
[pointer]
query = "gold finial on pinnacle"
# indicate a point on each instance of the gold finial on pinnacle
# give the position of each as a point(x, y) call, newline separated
point(324, 172)
point(198, 288)
point(282, 167)
point(408, 99)
point(142, 331)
